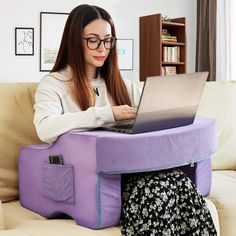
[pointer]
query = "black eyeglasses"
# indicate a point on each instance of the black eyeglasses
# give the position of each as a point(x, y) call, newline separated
point(94, 43)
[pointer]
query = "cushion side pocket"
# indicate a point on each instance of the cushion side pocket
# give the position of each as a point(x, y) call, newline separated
point(58, 182)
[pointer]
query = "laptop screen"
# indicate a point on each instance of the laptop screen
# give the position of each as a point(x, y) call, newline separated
point(169, 101)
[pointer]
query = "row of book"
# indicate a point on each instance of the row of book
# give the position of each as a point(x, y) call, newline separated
point(168, 70)
point(166, 37)
point(171, 54)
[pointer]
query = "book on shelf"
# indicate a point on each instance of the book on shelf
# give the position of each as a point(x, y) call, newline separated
point(170, 70)
point(166, 38)
point(171, 54)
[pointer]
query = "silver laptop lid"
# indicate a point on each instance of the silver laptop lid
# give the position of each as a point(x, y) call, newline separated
point(169, 101)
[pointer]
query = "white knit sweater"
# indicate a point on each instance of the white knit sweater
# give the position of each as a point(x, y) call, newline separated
point(57, 113)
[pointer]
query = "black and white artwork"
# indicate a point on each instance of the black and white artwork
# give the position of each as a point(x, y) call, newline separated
point(24, 41)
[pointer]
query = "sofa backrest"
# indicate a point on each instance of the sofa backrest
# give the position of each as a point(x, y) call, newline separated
point(219, 102)
point(16, 130)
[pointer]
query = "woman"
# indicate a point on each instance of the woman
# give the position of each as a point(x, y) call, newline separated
point(85, 90)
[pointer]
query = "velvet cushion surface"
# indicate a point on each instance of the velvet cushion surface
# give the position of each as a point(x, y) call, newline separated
point(94, 160)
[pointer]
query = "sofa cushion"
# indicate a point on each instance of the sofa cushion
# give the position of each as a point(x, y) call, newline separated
point(2, 226)
point(14, 233)
point(223, 196)
point(16, 130)
point(218, 101)
point(19, 218)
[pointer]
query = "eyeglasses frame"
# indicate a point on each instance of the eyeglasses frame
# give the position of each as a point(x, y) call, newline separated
point(101, 40)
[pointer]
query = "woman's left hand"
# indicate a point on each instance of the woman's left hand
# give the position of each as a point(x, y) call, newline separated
point(124, 112)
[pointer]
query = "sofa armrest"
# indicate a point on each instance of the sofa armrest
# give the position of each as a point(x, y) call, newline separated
point(2, 226)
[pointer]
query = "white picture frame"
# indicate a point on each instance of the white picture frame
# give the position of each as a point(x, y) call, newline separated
point(51, 29)
point(24, 41)
point(125, 53)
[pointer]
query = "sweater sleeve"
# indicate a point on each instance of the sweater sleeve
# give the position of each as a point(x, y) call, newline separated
point(51, 121)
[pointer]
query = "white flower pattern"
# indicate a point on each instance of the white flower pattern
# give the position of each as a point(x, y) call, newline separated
point(163, 203)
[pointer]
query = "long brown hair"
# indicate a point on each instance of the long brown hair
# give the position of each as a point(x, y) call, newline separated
point(71, 53)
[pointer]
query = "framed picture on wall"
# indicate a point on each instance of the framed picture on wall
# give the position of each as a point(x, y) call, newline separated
point(51, 30)
point(24, 41)
point(125, 53)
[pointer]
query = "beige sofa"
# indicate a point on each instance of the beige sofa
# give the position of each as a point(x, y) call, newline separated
point(16, 130)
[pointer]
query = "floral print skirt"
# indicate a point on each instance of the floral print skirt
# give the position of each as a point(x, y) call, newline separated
point(163, 203)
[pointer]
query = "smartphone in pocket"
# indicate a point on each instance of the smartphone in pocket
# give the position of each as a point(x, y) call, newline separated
point(56, 159)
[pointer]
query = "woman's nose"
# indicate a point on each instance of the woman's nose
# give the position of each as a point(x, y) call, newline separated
point(101, 47)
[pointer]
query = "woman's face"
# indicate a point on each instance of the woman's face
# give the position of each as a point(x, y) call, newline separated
point(97, 29)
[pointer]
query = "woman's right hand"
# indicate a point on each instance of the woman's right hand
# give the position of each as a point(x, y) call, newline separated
point(124, 112)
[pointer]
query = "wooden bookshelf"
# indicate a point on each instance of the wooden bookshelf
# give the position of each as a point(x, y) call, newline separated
point(156, 53)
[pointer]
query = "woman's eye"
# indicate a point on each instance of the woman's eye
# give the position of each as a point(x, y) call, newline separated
point(108, 40)
point(93, 40)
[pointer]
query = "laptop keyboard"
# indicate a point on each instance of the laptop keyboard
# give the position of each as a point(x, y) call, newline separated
point(128, 126)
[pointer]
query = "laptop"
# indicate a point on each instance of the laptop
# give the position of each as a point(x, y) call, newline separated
point(166, 102)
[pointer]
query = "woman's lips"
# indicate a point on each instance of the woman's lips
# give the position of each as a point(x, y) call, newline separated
point(100, 58)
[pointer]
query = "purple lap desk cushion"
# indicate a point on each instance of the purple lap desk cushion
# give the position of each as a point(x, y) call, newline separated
point(87, 186)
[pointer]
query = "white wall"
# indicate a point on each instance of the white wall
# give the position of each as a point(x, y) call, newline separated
point(26, 13)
